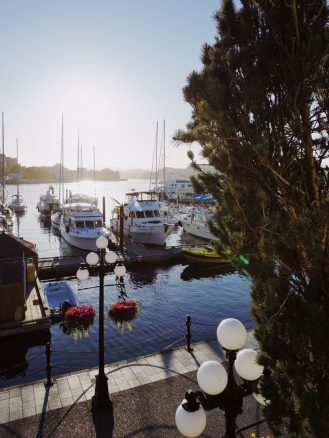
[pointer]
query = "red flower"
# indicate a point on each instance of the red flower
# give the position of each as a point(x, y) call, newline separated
point(123, 311)
point(78, 319)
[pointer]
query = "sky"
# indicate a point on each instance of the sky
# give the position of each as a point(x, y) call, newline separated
point(113, 68)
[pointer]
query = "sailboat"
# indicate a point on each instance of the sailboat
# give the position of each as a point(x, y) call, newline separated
point(56, 213)
point(17, 202)
point(82, 221)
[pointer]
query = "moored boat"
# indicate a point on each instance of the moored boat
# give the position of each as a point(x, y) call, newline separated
point(60, 297)
point(204, 254)
point(47, 203)
point(17, 204)
point(142, 221)
point(82, 223)
point(196, 223)
point(55, 218)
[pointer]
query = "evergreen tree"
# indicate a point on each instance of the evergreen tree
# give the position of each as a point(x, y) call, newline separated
point(260, 107)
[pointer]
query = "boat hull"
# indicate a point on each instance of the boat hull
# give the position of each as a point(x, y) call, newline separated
point(18, 208)
point(154, 236)
point(56, 221)
point(87, 243)
point(198, 231)
point(204, 256)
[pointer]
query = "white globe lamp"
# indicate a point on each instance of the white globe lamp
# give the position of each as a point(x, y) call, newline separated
point(102, 242)
point(231, 334)
point(119, 271)
point(190, 424)
point(92, 259)
point(111, 257)
point(212, 377)
point(82, 274)
point(246, 365)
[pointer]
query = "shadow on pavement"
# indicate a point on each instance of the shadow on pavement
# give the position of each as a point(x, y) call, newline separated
point(104, 423)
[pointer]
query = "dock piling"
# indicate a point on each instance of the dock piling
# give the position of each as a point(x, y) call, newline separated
point(49, 381)
point(188, 334)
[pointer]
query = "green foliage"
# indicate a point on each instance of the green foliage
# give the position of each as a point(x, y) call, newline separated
point(260, 108)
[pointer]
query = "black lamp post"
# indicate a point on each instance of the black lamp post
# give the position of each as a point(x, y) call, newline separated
point(219, 387)
point(102, 261)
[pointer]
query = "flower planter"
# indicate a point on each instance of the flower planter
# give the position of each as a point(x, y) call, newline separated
point(78, 319)
point(123, 312)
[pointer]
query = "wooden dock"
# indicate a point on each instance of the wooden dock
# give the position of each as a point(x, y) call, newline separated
point(37, 315)
point(133, 254)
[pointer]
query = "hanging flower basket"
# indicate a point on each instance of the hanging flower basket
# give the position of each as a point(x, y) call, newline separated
point(78, 319)
point(123, 312)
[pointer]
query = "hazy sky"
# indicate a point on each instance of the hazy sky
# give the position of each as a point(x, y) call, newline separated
point(113, 67)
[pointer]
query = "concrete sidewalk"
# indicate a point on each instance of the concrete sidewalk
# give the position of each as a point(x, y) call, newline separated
point(145, 394)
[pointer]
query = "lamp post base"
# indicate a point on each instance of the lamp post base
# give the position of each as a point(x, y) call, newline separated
point(101, 399)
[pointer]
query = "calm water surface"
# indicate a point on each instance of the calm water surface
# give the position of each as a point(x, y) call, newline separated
point(165, 294)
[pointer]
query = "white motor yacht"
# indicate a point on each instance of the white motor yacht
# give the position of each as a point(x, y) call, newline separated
point(142, 221)
point(81, 224)
point(196, 223)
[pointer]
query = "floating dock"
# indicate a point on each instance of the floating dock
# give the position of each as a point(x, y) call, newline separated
point(133, 254)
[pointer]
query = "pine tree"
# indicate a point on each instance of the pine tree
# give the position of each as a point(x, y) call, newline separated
point(260, 107)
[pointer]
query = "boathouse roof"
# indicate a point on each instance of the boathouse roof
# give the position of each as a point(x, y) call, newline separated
point(11, 247)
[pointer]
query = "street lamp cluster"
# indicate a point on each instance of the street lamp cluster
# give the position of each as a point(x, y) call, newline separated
point(102, 262)
point(218, 385)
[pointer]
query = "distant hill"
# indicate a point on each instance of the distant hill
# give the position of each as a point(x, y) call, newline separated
point(170, 172)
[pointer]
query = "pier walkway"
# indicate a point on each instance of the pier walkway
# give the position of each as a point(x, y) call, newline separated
point(134, 254)
point(145, 393)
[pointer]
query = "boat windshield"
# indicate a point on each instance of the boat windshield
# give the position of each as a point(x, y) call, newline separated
point(89, 224)
point(156, 213)
point(140, 214)
point(80, 224)
point(149, 213)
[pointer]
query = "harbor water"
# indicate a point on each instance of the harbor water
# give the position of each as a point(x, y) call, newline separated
point(165, 295)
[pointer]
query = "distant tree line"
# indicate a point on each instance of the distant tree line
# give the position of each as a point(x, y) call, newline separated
point(52, 173)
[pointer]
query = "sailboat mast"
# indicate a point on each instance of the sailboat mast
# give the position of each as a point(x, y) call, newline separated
point(78, 168)
point(94, 171)
point(17, 171)
point(164, 157)
point(62, 182)
point(156, 157)
point(3, 159)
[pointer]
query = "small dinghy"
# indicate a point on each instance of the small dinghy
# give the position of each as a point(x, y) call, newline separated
point(60, 297)
point(205, 254)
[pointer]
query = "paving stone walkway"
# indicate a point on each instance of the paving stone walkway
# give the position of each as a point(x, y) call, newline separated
point(34, 398)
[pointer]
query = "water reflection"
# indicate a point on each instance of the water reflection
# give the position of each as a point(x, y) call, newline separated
point(15, 362)
point(143, 276)
point(192, 272)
